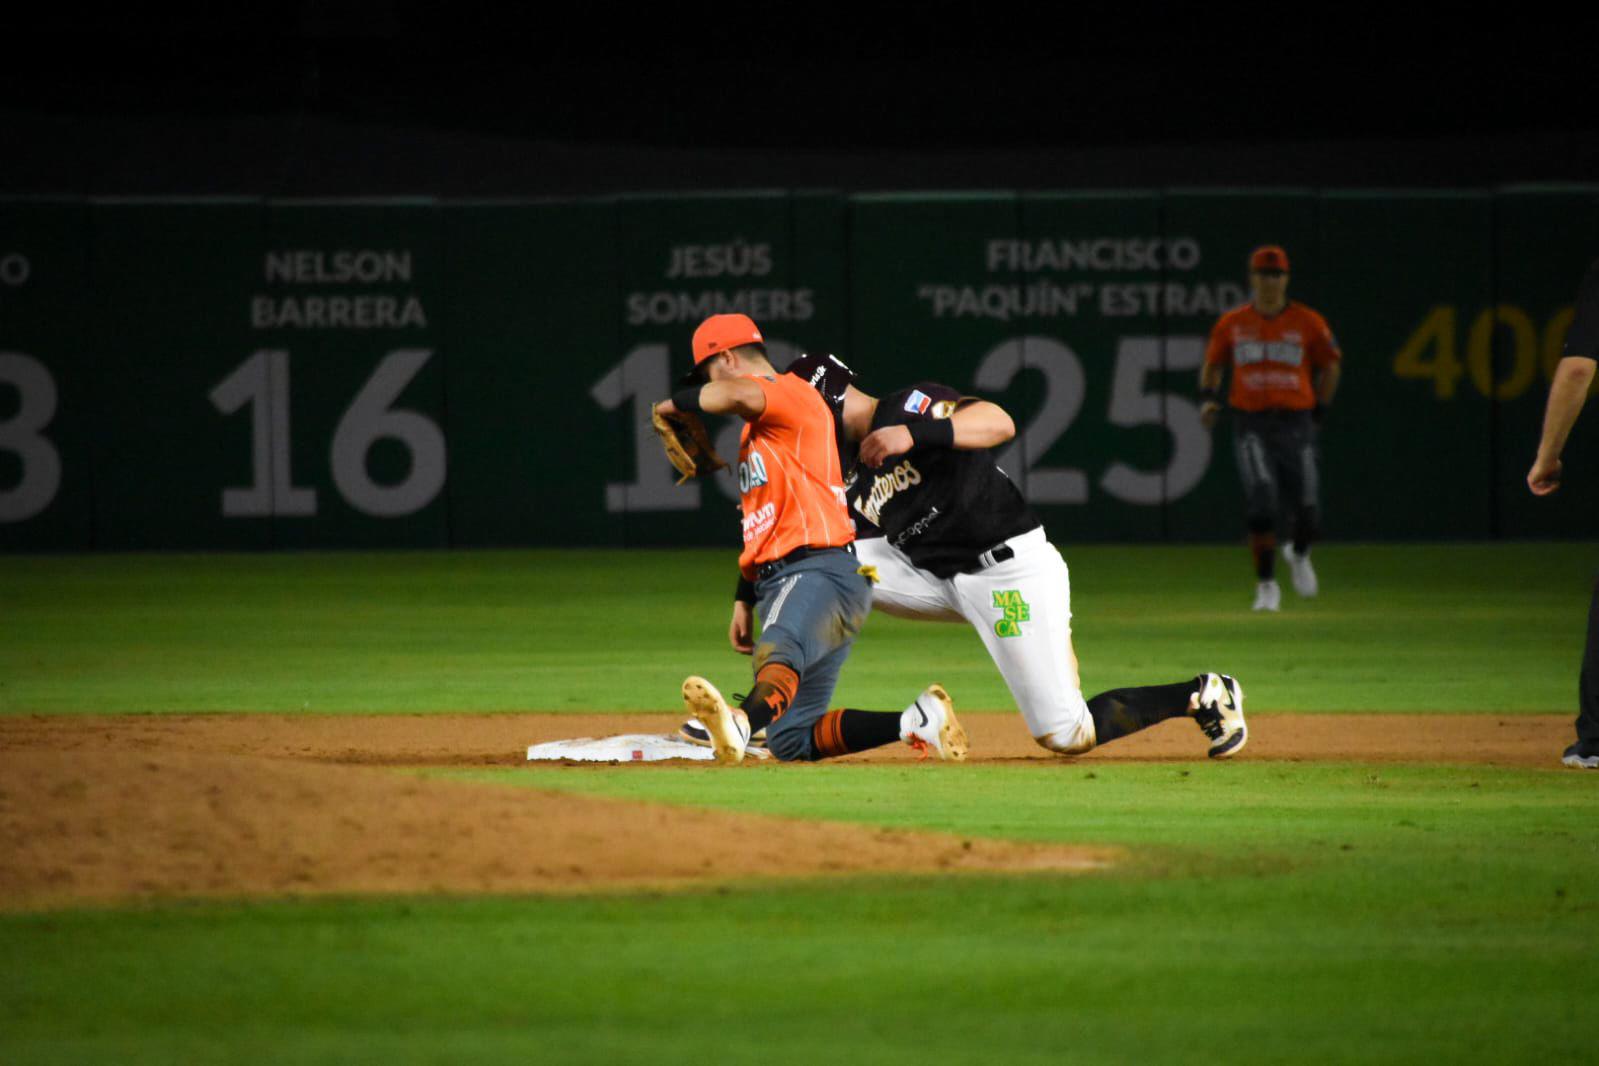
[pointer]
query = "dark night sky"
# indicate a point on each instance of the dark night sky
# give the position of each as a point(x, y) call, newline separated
point(929, 82)
point(819, 77)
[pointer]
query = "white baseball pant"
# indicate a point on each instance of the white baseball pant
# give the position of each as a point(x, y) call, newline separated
point(1022, 608)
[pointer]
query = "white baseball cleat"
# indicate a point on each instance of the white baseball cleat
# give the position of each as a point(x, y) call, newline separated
point(1220, 714)
point(693, 730)
point(1304, 574)
point(1268, 596)
point(930, 725)
point(729, 727)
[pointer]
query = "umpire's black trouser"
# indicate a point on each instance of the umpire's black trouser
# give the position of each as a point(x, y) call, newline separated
point(1588, 687)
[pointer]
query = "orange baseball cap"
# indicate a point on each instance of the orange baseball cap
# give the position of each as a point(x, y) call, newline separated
point(1268, 257)
point(720, 333)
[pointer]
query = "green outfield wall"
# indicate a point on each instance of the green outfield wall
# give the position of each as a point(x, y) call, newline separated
point(251, 374)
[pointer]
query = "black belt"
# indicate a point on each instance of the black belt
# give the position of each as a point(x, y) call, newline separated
point(766, 570)
point(992, 557)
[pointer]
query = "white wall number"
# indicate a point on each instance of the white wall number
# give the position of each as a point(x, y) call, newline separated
point(371, 417)
point(1130, 405)
point(22, 434)
point(642, 377)
point(1064, 386)
point(262, 381)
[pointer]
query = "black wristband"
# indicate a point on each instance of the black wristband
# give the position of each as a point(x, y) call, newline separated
point(1210, 395)
point(746, 590)
point(688, 400)
point(934, 433)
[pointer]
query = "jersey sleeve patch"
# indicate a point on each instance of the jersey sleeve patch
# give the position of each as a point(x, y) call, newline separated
point(917, 402)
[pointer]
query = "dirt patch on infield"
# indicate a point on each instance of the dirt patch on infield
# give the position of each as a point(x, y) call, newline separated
point(502, 739)
point(92, 825)
point(107, 809)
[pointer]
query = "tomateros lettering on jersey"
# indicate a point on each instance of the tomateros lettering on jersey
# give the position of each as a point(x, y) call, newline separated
point(791, 479)
point(942, 507)
point(1272, 357)
point(883, 488)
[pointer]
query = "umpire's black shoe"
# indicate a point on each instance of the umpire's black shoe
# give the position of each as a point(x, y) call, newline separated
point(1579, 757)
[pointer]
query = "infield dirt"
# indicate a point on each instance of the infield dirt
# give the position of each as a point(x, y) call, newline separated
point(101, 809)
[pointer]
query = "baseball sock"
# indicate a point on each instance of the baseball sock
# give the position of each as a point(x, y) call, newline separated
point(775, 685)
point(1127, 710)
point(841, 732)
point(1305, 530)
point(1263, 546)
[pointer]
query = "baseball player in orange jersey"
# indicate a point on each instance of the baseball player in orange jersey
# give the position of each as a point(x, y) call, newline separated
point(951, 538)
point(799, 561)
point(1285, 367)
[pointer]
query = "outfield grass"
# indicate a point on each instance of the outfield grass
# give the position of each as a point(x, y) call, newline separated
point(1265, 913)
point(1398, 628)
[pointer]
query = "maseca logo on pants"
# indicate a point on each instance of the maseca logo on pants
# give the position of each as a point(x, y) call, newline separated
point(1016, 612)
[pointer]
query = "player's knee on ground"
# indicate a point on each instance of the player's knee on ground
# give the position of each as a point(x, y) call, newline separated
point(790, 741)
point(1073, 741)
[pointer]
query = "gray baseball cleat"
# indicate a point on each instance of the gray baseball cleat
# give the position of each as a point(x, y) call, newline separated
point(1220, 715)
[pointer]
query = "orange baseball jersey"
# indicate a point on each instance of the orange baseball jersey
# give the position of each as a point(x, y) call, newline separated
point(789, 476)
point(1272, 357)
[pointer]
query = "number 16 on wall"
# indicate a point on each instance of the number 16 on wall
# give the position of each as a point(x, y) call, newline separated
point(262, 382)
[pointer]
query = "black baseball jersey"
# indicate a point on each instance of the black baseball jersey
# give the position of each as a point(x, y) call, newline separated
point(1582, 338)
point(942, 507)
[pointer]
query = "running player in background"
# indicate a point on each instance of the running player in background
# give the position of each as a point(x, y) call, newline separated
point(798, 565)
point(1285, 367)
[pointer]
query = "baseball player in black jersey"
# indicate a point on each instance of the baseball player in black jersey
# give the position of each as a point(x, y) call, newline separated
point(952, 539)
point(1573, 376)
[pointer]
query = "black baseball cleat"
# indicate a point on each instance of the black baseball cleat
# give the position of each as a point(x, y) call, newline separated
point(1579, 759)
point(1220, 714)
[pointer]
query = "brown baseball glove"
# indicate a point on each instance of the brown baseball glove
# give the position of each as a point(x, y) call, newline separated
point(686, 443)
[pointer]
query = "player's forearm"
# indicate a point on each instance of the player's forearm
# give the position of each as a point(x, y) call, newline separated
point(1567, 393)
point(740, 397)
point(1210, 377)
point(981, 425)
point(1327, 383)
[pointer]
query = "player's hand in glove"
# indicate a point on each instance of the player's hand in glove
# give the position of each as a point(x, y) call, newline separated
point(683, 438)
